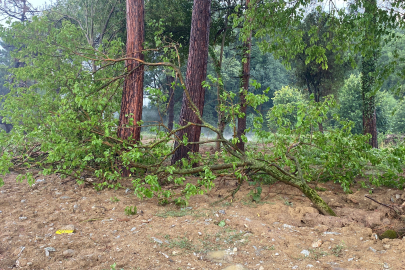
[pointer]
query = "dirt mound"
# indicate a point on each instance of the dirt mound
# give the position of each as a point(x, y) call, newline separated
point(282, 231)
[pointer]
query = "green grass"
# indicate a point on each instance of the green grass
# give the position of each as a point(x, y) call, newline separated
point(338, 249)
point(182, 212)
point(315, 254)
point(114, 199)
point(223, 238)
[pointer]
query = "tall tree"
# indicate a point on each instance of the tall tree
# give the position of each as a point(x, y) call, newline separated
point(99, 20)
point(218, 69)
point(170, 106)
point(247, 46)
point(17, 9)
point(196, 74)
point(132, 94)
point(319, 81)
point(368, 69)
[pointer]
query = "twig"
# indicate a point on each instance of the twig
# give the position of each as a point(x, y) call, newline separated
point(92, 219)
point(396, 211)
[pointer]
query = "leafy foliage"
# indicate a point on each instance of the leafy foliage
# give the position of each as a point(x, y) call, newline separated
point(351, 106)
point(64, 100)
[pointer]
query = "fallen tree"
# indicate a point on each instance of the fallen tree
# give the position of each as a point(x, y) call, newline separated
point(72, 131)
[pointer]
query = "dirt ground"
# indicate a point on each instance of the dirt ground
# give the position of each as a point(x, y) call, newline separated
point(282, 231)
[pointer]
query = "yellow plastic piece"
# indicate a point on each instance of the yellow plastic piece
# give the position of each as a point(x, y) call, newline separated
point(63, 231)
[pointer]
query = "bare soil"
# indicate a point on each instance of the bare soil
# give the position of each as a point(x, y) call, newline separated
point(282, 231)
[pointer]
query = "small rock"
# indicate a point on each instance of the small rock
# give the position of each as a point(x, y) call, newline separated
point(222, 212)
point(69, 227)
point(387, 246)
point(386, 266)
point(1, 212)
point(40, 181)
point(22, 218)
point(276, 254)
point(175, 252)
point(127, 190)
point(199, 233)
point(317, 244)
point(157, 240)
point(22, 262)
point(65, 197)
point(49, 249)
point(372, 249)
point(305, 252)
point(133, 229)
point(386, 221)
point(310, 266)
point(68, 253)
point(219, 256)
point(261, 268)
point(350, 259)
point(23, 201)
point(235, 249)
point(286, 226)
point(333, 233)
point(321, 228)
point(235, 267)
point(397, 196)
point(373, 219)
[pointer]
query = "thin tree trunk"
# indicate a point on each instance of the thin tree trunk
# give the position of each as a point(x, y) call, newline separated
point(220, 88)
point(247, 46)
point(318, 99)
point(196, 74)
point(170, 108)
point(367, 78)
point(132, 95)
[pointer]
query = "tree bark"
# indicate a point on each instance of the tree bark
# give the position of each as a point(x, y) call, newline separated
point(196, 74)
point(369, 62)
point(132, 94)
point(247, 46)
point(170, 108)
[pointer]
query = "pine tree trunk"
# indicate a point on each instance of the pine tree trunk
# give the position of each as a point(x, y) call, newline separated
point(196, 74)
point(170, 108)
point(132, 94)
point(369, 62)
point(247, 46)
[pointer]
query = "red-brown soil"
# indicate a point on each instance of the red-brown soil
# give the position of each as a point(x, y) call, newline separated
point(276, 233)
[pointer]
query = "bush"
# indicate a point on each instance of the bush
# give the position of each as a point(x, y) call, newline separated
point(398, 120)
point(288, 98)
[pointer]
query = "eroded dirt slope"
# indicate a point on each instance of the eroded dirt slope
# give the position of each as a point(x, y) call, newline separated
point(283, 231)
